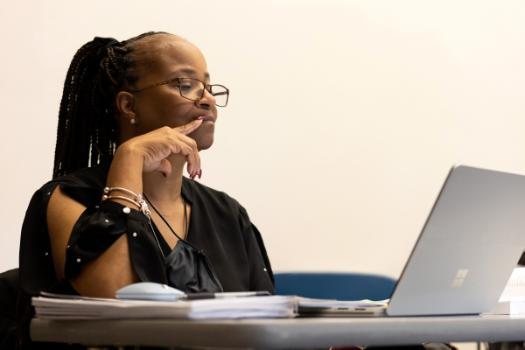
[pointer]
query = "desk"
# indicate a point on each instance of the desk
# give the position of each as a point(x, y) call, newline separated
point(283, 333)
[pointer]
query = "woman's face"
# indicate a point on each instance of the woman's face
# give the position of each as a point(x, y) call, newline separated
point(160, 58)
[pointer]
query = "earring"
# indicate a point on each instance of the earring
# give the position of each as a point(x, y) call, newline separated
point(133, 121)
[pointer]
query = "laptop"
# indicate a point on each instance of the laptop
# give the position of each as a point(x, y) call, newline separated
point(469, 246)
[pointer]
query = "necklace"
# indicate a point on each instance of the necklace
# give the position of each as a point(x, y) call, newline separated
point(167, 223)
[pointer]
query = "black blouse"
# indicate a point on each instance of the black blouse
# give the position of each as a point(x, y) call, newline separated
point(219, 227)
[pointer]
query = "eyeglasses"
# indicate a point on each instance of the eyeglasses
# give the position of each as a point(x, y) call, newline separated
point(193, 89)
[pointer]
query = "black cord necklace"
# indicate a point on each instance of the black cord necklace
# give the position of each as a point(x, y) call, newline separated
point(167, 223)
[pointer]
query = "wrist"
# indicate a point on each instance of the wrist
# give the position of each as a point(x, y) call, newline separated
point(122, 194)
point(129, 153)
point(126, 168)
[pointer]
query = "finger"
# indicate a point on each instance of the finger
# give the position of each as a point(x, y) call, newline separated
point(181, 148)
point(194, 158)
point(187, 146)
point(191, 166)
point(193, 162)
point(189, 128)
point(191, 152)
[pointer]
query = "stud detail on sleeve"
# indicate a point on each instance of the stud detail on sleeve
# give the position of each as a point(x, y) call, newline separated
point(134, 234)
point(79, 260)
point(265, 269)
point(46, 253)
point(106, 221)
point(126, 210)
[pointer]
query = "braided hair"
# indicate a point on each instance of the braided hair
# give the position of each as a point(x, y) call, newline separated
point(87, 132)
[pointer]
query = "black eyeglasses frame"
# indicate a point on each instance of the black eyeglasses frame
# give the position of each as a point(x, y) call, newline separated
point(207, 87)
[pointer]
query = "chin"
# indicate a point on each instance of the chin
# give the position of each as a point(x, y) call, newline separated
point(204, 138)
point(204, 144)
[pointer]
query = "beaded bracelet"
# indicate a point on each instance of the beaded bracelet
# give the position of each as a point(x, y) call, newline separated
point(137, 199)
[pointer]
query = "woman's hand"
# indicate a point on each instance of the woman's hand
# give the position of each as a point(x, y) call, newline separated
point(156, 146)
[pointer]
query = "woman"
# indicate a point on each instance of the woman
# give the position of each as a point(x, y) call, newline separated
point(118, 209)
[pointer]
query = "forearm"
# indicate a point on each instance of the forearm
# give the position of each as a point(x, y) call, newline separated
point(111, 271)
point(113, 268)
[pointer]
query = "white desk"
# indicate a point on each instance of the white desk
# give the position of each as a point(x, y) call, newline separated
point(283, 333)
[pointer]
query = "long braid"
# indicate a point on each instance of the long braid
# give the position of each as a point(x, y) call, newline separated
point(87, 132)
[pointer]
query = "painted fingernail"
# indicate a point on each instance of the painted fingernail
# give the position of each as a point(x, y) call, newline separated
point(199, 173)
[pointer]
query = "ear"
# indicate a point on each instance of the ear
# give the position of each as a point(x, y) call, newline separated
point(125, 102)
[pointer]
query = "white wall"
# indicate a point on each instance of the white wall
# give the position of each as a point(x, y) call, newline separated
point(345, 116)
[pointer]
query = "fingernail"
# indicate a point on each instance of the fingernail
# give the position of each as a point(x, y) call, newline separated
point(199, 173)
point(200, 118)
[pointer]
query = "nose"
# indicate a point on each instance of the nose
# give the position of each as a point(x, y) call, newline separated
point(207, 100)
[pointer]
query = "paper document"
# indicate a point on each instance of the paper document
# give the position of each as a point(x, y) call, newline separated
point(71, 307)
point(99, 308)
point(515, 289)
point(512, 300)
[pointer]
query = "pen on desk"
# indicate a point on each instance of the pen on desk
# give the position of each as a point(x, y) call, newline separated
point(225, 295)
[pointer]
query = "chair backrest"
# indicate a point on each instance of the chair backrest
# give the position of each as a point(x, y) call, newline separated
point(341, 286)
point(8, 300)
point(9, 291)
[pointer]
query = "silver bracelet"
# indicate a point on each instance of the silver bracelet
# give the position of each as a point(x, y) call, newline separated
point(124, 199)
point(108, 190)
point(138, 200)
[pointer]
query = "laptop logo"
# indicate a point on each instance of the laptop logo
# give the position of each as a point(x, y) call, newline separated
point(460, 278)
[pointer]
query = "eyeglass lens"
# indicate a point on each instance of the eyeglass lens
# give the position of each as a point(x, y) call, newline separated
point(193, 89)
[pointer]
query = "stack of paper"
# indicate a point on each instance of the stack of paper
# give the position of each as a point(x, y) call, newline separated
point(512, 300)
point(98, 308)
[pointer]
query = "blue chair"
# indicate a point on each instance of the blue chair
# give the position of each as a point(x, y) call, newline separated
point(328, 285)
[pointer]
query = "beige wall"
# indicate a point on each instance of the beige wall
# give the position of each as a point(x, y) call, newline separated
point(345, 116)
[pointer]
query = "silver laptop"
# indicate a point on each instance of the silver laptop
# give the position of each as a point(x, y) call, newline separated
point(469, 245)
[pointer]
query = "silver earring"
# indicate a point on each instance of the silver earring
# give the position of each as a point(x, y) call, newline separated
point(133, 121)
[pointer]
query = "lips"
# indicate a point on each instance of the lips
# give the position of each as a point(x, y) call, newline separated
point(207, 118)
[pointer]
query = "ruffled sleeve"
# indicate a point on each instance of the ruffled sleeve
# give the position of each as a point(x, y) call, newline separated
point(98, 227)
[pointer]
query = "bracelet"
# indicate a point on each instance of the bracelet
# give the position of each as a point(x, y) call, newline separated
point(108, 190)
point(138, 200)
point(124, 199)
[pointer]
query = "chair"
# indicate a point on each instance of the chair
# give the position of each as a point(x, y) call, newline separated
point(8, 299)
point(329, 285)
